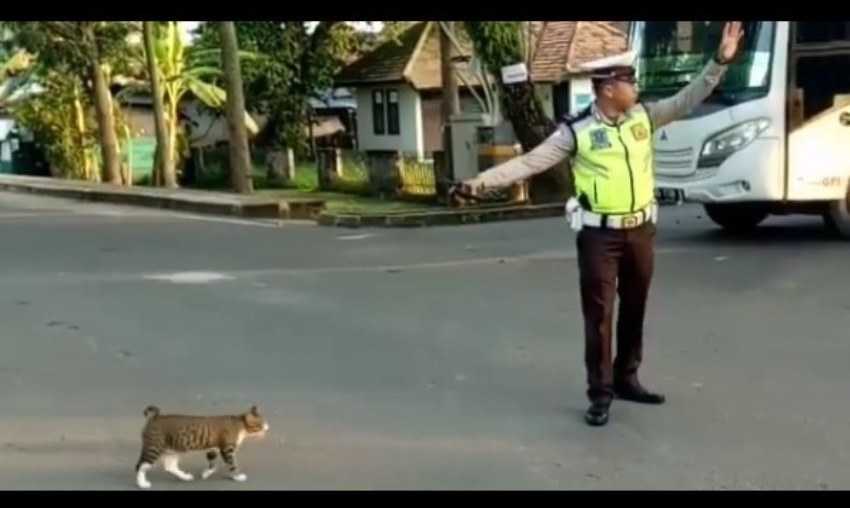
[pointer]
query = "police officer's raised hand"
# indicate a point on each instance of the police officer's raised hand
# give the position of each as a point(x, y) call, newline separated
point(733, 31)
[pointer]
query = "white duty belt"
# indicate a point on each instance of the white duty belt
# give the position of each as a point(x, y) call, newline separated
point(620, 221)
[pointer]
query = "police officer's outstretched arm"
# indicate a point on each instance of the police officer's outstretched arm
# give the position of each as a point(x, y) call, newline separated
point(550, 152)
point(668, 110)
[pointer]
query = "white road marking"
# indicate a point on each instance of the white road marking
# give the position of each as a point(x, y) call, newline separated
point(190, 277)
point(555, 255)
point(206, 277)
point(107, 212)
point(227, 220)
point(356, 237)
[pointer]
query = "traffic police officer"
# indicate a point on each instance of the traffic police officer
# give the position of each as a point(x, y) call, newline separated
point(610, 148)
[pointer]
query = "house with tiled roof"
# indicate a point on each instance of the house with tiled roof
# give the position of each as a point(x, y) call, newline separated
point(398, 86)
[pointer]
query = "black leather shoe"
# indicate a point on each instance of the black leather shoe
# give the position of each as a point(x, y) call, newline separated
point(639, 394)
point(597, 414)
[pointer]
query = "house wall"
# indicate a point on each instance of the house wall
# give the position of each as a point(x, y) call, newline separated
point(420, 115)
point(432, 134)
point(469, 104)
point(6, 126)
point(205, 127)
point(140, 120)
point(581, 93)
point(432, 103)
point(410, 137)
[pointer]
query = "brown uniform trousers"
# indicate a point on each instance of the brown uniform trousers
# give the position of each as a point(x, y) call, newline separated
point(606, 257)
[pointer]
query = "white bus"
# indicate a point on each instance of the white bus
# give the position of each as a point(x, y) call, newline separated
point(773, 138)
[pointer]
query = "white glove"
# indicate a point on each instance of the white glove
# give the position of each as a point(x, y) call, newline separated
point(573, 212)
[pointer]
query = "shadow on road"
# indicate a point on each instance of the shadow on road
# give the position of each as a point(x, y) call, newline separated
point(765, 235)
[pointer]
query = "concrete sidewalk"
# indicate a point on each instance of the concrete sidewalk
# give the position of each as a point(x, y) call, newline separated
point(264, 207)
point(192, 201)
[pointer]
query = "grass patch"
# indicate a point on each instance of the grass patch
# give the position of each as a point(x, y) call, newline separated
point(340, 203)
point(352, 187)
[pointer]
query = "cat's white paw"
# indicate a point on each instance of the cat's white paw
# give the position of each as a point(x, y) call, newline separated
point(142, 477)
point(206, 473)
point(241, 477)
point(187, 477)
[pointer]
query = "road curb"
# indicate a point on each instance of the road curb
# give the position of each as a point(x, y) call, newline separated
point(441, 218)
point(190, 201)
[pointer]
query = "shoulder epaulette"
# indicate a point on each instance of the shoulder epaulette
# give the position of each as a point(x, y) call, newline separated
point(577, 117)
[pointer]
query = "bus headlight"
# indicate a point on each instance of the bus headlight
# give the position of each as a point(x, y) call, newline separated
point(723, 144)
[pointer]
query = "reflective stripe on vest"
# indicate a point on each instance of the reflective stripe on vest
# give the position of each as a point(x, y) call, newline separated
point(613, 164)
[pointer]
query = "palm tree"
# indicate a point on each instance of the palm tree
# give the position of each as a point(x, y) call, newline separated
point(164, 170)
point(240, 155)
point(182, 69)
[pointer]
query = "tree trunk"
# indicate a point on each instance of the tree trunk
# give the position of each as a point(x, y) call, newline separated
point(532, 127)
point(80, 122)
point(165, 162)
point(171, 120)
point(105, 117)
point(450, 104)
point(499, 44)
point(240, 155)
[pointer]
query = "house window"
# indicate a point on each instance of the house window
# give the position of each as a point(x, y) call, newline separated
point(822, 31)
point(393, 120)
point(378, 112)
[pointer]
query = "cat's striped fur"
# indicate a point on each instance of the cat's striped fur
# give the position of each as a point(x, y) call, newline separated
point(167, 437)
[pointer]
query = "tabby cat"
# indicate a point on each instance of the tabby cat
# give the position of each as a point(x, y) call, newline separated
point(169, 436)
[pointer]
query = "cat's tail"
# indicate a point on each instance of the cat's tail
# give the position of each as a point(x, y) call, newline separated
point(151, 412)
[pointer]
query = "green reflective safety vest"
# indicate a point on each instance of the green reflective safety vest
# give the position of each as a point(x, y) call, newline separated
point(612, 164)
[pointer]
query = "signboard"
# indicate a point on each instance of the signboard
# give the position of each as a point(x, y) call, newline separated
point(516, 73)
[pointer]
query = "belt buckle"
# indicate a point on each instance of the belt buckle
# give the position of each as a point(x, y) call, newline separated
point(629, 221)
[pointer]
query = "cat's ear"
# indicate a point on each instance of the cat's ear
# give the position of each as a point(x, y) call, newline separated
point(254, 411)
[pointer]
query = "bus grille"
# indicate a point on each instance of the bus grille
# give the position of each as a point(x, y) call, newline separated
point(674, 162)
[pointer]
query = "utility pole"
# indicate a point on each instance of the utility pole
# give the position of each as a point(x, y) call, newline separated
point(451, 100)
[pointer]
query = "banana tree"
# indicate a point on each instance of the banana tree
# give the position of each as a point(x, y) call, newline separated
point(51, 102)
point(164, 167)
point(19, 62)
point(15, 75)
point(85, 49)
point(184, 69)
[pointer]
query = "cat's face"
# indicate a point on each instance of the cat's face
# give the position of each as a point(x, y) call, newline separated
point(255, 423)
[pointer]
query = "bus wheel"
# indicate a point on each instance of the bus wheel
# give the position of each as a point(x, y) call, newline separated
point(837, 216)
point(736, 217)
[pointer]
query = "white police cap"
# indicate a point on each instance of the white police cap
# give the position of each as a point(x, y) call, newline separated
point(611, 66)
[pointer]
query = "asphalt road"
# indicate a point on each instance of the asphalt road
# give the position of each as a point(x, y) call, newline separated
point(445, 358)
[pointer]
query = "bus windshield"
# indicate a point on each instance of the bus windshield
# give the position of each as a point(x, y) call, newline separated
point(672, 53)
